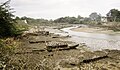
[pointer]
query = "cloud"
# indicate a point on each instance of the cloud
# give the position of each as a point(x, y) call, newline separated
point(52, 9)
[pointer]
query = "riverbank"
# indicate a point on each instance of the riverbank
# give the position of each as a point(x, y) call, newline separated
point(32, 55)
point(95, 30)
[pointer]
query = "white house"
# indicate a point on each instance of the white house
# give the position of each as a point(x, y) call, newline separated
point(103, 19)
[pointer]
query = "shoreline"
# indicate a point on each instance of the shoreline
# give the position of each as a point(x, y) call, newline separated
point(31, 55)
point(95, 30)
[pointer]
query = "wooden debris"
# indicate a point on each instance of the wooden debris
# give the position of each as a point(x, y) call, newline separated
point(88, 60)
point(36, 33)
point(23, 52)
point(94, 59)
point(56, 44)
point(61, 36)
point(73, 46)
point(60, 46)
point(38, 50)
point(37, 42)
point(43, 32)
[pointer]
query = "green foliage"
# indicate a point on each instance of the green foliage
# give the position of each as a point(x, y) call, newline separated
point(32, 21)
point(6, 46)
point(113, 15)
point(95, 17)
point(70, 20)
point(7, 27)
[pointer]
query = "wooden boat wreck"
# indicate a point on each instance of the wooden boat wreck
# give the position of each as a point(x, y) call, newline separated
point(50, 46)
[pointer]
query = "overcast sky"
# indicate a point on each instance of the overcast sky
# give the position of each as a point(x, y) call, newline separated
point(52, 9)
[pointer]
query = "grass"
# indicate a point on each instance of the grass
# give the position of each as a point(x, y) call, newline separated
point(7, 47)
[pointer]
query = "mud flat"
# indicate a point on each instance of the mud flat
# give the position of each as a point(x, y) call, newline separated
point(34, 56)
point(95, 30)
point(94, 41)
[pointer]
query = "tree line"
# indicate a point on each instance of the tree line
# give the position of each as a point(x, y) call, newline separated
point(8, 24)
point(112, 16)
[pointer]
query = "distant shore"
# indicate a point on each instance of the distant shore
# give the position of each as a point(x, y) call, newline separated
point(94, 30)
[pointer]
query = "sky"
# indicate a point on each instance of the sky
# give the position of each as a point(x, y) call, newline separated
point(53, 9)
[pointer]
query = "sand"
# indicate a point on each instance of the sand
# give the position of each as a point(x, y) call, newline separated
point(95, 30)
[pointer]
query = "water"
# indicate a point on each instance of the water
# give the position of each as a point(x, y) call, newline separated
point(91, 35)
point(94, 41)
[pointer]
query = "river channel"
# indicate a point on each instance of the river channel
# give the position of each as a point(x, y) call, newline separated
point(94, 41)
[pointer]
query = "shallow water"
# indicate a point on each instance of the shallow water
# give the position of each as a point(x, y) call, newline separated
point(95, 41)
point(91, 35)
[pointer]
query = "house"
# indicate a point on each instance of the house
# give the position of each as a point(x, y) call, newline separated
point(104, 19)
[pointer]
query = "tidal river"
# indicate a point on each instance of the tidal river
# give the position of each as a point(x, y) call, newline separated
point(94, 41)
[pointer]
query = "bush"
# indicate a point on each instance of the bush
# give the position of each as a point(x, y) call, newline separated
point(7, 27)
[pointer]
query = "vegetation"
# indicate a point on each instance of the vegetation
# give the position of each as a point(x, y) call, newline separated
point(32, 21)
point(112, 20)
point(70, 20)
point(113, 15)
point(95, 17)
point(7, 27)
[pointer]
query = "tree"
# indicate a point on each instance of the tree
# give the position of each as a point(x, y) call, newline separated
point(95, 17)
point(113, 15)
point(79, 17)
point(7, 27)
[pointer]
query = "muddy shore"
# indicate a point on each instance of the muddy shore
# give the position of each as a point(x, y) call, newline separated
point(34, 56)
point(95, 30)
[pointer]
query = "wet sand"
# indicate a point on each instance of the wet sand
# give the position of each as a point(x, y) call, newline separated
point(95, 30)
